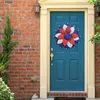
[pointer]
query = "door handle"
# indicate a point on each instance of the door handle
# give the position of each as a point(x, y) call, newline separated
point(51, 56)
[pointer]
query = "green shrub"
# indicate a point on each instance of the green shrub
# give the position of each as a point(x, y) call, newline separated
point(5, 93)
point(8, 45)
point(95, 2)
point(96, 37)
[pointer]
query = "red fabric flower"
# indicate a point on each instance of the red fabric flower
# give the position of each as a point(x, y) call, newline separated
point(67, 36)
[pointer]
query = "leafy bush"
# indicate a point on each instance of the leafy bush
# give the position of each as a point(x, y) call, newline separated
point(5, 93)
point(95, 2)
point(96, 37)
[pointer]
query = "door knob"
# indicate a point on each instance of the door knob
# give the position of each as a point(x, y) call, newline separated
point(51, 56)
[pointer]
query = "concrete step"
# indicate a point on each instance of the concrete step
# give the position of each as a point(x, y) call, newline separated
point(66, 99)
point(43, 99)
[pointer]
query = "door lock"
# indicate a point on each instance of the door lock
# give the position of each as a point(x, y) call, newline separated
point(51, 56)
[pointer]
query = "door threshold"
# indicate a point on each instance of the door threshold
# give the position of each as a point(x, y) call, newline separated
point(68, 91)
point(70, 98)
point(67, 94)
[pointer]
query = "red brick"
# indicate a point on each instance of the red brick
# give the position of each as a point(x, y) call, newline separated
point(97, 68)
point(25, 58)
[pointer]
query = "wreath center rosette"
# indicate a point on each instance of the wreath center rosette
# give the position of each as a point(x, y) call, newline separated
point(67, 36)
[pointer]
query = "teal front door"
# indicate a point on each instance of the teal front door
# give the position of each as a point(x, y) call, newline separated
point(67, 65)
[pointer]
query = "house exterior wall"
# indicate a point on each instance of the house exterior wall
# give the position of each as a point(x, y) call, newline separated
point(25, 60)
point(97, 70)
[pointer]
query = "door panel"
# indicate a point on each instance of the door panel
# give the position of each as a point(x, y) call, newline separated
point(67, 67)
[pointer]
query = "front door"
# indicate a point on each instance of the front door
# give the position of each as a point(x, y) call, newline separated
point(67, 61)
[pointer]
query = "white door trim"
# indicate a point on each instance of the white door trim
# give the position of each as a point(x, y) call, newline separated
point(45, 45)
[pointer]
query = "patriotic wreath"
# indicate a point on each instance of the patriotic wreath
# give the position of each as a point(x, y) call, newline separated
point(67, 36)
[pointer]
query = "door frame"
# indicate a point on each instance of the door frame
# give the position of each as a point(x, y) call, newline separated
point(45, 45)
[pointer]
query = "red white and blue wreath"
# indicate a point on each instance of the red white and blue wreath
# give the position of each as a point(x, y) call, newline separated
point(67, 36)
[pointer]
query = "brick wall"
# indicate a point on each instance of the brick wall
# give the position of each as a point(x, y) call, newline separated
point(97, 70)
point(97, 67)
point(25, 62)
point(25, 58)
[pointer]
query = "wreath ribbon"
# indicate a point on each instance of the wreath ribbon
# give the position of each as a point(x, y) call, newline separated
point(67, 36)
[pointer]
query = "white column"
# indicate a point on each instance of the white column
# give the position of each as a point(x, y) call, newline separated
point(91, 55)
point(43, 53)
